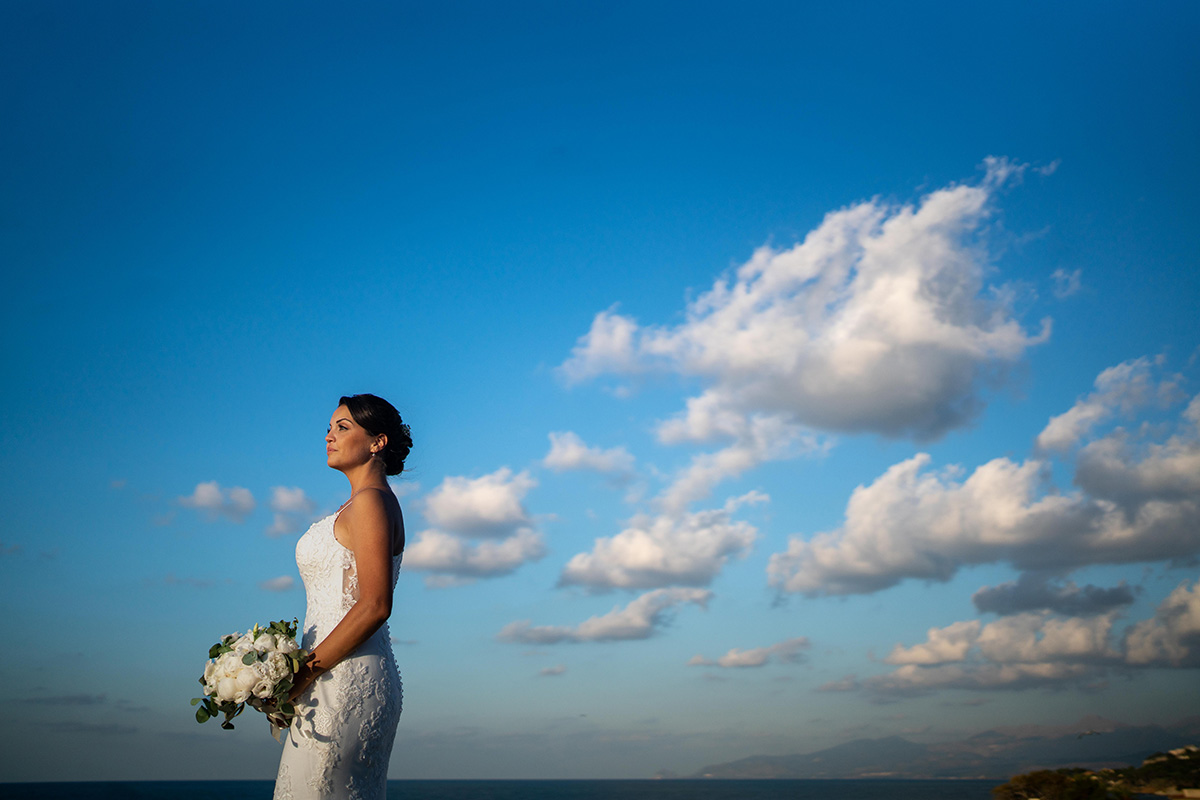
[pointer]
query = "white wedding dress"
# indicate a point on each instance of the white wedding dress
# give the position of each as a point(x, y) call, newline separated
point(340, 741)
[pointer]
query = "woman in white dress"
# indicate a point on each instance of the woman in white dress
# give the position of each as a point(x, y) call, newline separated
point(348, 695)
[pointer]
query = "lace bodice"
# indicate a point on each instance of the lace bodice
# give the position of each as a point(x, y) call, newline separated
point(330, 578)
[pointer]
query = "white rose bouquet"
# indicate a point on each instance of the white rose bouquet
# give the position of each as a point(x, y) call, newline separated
point(254, 669)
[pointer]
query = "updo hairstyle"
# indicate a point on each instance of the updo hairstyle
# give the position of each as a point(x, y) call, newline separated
point(377, 416)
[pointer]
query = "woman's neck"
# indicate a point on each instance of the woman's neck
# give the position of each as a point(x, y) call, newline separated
point(367, 476)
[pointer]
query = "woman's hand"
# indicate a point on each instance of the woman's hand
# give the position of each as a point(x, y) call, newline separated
point(302, 680)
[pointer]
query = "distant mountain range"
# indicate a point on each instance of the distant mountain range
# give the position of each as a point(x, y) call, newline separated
point(1093, 742)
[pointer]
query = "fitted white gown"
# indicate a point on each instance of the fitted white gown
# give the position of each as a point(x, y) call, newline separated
point(340, 741)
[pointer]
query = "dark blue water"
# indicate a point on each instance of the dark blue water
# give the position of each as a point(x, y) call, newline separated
point(528, 790)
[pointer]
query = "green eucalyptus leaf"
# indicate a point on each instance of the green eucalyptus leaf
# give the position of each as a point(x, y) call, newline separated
point(227, 725)
point(249, 658)
point(202, 714)
point(214, 651)
point(287, 708)
point(197, 700)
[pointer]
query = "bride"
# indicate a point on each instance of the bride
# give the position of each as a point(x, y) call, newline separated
point(348, 695)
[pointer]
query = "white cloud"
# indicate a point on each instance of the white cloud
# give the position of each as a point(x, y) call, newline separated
point(942, 645)
point(235, 503)
point(787, 651)
point(607, 347)
point(1044, 649)
point(488, 507)
point(280, 584)
point(569, 452)
point(1066, 283)
point(1040, 638)
point(1116, 468)
point(878, 321)
point(292, 507)
point(667, 549)
point(455, 561)
point(291, 500)
point(1125, 387)
point(758, 438)
point(638, 620)
point(1140, 502)
point(1172, 636)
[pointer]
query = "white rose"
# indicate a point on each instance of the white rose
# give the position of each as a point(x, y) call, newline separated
point(264, 688)
point(278, 667)
point(287, 645)
point(226, 689)
point(241, 697)
point(246, 679)
point(264, 642)
point(210, 671)
point(230, 664)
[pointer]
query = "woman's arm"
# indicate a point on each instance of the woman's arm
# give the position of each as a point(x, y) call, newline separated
point(369, 535)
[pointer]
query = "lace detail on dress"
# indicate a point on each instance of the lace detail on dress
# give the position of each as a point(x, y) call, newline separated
point(341, 738)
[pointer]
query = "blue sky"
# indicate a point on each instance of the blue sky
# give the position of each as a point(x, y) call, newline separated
point(674, 298)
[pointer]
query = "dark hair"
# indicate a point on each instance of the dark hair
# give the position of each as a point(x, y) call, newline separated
point(377, 416)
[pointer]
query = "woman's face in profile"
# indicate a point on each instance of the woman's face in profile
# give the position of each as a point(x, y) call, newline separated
point(347, 443)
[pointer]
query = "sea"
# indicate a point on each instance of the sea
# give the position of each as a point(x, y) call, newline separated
point(531, 790)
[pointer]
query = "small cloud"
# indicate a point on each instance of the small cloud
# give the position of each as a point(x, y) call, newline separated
point(292, 509)
point(291, 499)
point(1049, 169)
point(235, 503)
point(550, 672)
point(569, 452)
point(457, 562)
point(639, 620)
point(280, 584)
point(1066, 283)
point(405, 488)
point(787, 651)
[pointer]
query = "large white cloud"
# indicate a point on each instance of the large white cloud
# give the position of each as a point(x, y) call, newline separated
point(490, 506)
point(666, 549)
point(1042, 649)
point(638, 620)
point(466, 510)
point(880, 320)
point(1140, 503)
point(788, 651)
point(234, 503)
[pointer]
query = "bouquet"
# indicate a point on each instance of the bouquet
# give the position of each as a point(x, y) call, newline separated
point(255, 669)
